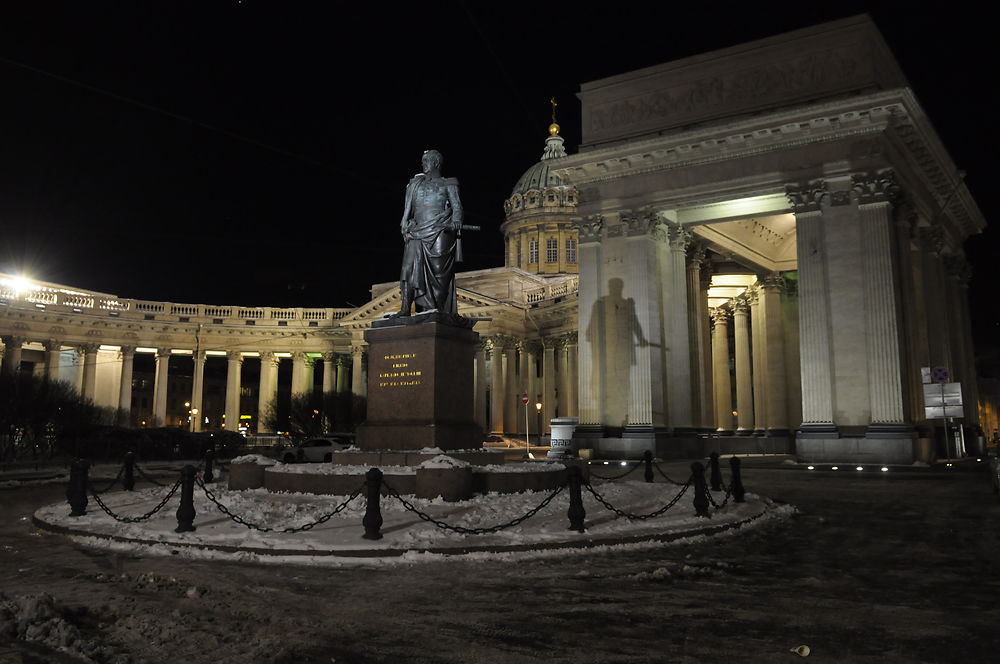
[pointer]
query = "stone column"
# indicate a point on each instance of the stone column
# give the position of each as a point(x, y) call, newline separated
point(510, 391)
point(590, 385)
point(757, 353)
point(53, 349)
point(359, 387)
point(329, 372)
point(720, 363)
point(197, 390)
point(127, 354)
point(78, 378)
point(678, 374)
point(524, 386)
point(573, 375)
point(881, 306)
point(12, 355)
point(159, 385)
point(707, 368)
point(744, 391)
point(549, 378)
point(268, 389)
point(235, 363)
point(343, 368)
point(775, 385)
point(496, 386)
point(643, 399)
point(480, 377)
point(299, 378)
point(814, 317)
point(696, 321)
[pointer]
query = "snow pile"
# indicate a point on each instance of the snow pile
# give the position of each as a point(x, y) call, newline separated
point(522, 467)
point(336, 469)
point(255, 459)
point(445, 461)
point(40, 619)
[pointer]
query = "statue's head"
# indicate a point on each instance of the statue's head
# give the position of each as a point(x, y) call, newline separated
point(431, 160)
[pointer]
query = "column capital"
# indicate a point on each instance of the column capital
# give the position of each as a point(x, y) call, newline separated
point(875, 187)
point(678, 236)
point(234, 355)
point(13, 340)
point(90, 348)
point(959, 268)
point(343, 361)
point(740, 305)
point(772, 282)
point(330, 356)
point(720, 315)
point(52, 345)
point(696, 253)
point(266, 355)
point(590, 228)
point(752, 293)
point(806, 197)
point(642, 223)
point(932, 238)
point(127, 352)
point(359, 349)
point(199, 355)
point(571, 338)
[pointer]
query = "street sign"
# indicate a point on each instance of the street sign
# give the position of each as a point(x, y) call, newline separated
point(940, 374)
point(524, 398)
point(943, 400)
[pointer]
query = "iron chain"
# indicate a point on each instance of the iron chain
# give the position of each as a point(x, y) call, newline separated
point(651, 515)
point(660, 470)
point(135, 519)
point(147, 477)
point(616, 477)
point(266, 529)
point(471, 531)
point(717, 506)
point(108, 487)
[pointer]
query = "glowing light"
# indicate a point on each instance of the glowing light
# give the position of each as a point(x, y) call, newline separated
point(884, 469)
point(624, 463)
point(811, 468)
point(835, 468)
point(859, 468)
point(605, 463)
point(20, 284)
point(978, 459)
point(948, 464)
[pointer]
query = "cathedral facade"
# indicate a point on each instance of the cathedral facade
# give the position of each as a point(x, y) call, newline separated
point(753, 250)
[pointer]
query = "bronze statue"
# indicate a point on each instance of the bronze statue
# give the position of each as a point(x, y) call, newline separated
point(431, 227)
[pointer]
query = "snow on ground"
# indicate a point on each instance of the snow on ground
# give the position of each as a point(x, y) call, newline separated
point(402, 529)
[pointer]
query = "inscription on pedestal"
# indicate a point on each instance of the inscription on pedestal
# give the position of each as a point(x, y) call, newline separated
point(404, 370)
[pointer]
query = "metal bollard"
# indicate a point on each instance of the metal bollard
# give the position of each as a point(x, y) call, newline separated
point(209, 461)
point(736, 482)
point(716, 474)
point(647, 457)
point(76, 492)
point(185, 512)
point(128, 476)
point(698, 480)
point(576, 513)
point(373, 514)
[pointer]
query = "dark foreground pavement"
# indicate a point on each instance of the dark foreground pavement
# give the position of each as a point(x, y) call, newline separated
point(883, 567)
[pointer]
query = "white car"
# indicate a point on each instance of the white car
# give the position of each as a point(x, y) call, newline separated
point(317, 449)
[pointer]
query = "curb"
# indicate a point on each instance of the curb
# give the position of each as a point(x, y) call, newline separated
point(387, 553)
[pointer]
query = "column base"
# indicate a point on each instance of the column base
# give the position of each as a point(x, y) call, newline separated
point(817, 430)
point(890, 431)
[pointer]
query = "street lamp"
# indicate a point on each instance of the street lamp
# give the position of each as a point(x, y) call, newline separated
point(538, 421)
point(193, 418)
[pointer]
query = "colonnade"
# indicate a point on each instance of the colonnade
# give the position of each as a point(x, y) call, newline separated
point(756, 359)
point(506, 369)
point(340, 373)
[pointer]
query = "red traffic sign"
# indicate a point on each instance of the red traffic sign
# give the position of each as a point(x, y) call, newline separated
point(524, 398)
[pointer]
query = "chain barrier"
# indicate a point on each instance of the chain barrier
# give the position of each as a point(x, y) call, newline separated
point(472, 531)
point(615, 477)
point(147, 477)
point(716, 505)
point(135, 519)
point(674, 482)
point(90, 485)
point(627, 515)
point(266, 529)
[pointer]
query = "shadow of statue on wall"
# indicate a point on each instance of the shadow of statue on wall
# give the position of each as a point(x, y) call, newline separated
point(613, 333)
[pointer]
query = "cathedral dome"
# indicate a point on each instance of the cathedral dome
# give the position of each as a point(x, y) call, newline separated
point(539, 187)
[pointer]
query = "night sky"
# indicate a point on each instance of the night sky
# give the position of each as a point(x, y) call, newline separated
point(255, 153)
